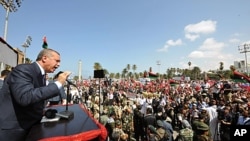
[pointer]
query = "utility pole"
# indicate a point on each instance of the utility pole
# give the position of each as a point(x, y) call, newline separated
point(245, 48)
point(158, 64)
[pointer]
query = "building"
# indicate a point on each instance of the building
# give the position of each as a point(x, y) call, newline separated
point(240, 66)
point(9, 57)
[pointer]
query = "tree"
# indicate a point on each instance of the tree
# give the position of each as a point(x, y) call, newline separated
point(134, 67)
point(28, 61)
point(196, 72)
point(105, 72)
point(124, 72)
point(169, 73)
point(97, 66)
point(221, 66)
point(128, 67)
point(117, 75)
point(111, 75)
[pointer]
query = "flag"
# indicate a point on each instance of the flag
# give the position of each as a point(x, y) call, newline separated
point(240, 76)
point(152, 75)
point(45, 44)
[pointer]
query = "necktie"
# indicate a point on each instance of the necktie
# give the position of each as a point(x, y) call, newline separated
point(44, 79)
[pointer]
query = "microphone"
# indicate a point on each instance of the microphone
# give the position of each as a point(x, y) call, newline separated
point(68, 81)
point(71, 83)
point(66, 114)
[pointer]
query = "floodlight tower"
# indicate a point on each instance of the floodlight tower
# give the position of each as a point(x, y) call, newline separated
point(245, 48)
point(9, 6)
point(26, 44)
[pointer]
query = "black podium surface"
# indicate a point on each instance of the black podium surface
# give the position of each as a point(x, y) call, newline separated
point(80, 127)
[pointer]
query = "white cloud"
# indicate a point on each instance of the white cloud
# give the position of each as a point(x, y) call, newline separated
point(193, 31)
point(211, 45)
point(210, 53)
point(196, 54)
point(170, 43)
point(234, 40)
point(192, 37)
point(209, 49)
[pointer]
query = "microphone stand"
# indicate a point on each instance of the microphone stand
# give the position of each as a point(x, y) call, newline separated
point(66, 114)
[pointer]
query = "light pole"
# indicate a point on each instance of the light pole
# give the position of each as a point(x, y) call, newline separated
point(244, 49)
point(26, 44)
point(158, 64)
point(9, 6)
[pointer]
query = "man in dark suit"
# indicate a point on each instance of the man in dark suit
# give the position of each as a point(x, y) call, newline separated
point(23, 95)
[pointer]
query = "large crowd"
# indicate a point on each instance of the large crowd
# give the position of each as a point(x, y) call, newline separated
point(200, 110)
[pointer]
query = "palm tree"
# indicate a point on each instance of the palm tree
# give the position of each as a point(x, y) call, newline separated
point(169, 73)
point(97, 66)
point(128, 67)
point(221, 66)
point(134, 67)
point(111, 75)
point(124, 72)
point(105, 72)
point(28, 61)
point(117, 75)
point(141, 74)
point(196, 71)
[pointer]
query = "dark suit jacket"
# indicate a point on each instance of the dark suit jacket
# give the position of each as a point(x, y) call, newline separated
point(22, 100)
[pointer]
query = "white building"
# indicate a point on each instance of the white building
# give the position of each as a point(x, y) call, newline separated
point(240, 66)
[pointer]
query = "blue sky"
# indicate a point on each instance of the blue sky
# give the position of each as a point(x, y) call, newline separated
point(115, 33)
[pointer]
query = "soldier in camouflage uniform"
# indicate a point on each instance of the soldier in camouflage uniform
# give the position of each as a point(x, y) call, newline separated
point(186, 133)
point(202, 132)
point(127, 123)
point(118, 134)
point(161, 132)
point(199, 122)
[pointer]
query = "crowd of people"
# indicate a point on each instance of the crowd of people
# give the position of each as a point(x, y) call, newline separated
point(200, 110)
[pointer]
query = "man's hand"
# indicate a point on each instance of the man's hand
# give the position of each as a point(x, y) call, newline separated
point(62, 77)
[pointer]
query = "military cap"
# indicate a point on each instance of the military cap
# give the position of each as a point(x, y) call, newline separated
point(160, 123)
point(152, 129)
point(203, 127)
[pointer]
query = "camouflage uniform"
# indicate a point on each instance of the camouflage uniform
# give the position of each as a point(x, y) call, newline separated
point(161, 132)
point(127, 123)
point(186, 134)
point(118, 134)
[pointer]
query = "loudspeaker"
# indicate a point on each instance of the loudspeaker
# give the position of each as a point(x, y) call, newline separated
point(99, 74)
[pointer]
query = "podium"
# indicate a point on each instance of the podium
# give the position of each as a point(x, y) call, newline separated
point(81, 127)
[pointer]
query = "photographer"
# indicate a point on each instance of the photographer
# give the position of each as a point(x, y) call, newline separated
point(225, 121)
